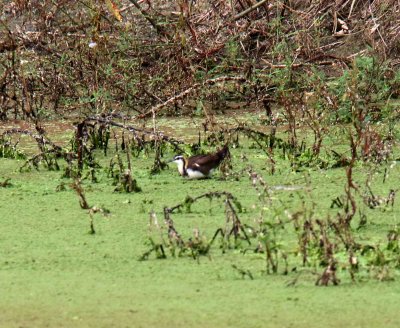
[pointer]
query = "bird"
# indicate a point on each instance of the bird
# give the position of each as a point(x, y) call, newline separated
point(200, 166)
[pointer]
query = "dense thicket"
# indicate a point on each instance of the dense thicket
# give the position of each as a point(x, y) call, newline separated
point(79, 57)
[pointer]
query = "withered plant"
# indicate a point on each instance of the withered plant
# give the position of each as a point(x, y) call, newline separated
point(6, 183)
point(199, 244)
point(123, 178)
point(77, 187)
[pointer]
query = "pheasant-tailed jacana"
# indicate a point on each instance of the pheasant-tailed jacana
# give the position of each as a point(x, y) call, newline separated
point(200, 166)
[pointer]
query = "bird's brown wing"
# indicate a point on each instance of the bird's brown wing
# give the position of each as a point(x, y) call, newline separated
point(204, 163)
point(197, 157)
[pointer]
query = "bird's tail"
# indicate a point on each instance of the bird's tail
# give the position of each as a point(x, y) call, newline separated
point(223, 152)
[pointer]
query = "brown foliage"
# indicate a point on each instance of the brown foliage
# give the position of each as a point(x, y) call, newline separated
point(77, 57)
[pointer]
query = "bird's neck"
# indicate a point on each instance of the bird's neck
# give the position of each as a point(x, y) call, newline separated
point(182, 167)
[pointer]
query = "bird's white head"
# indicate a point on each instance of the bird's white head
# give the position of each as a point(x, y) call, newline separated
point(180, 161)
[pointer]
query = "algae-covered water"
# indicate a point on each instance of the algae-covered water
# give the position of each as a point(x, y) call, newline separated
point(54, 273)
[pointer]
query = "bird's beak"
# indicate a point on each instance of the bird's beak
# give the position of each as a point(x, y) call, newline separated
point(170, 161)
